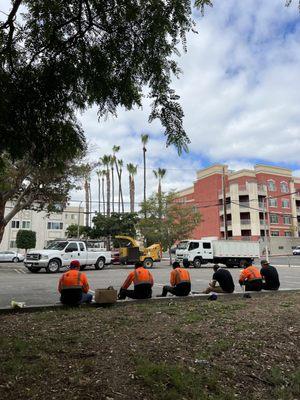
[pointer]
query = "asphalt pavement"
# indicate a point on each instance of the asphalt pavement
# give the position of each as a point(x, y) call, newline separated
point(17, 283)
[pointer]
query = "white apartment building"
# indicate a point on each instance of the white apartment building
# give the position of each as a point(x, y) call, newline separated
point(47, 227)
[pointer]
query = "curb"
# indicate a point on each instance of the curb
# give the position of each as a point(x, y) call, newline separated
point(121, 303)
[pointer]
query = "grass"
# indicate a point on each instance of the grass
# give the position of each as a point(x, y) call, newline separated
point(222, 350)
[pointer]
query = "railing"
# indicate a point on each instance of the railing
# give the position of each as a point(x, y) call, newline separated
point(298, 210)
point(245, 221)
point(246, 237)
point(244, 204)
point(228, 207)
point(262, 222)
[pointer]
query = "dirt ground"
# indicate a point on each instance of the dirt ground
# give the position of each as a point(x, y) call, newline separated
point(225, 349)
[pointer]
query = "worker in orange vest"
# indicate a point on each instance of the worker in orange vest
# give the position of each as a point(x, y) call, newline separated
point(250, 277)
point(180, 281)
point(142, 280)
point(74, 287)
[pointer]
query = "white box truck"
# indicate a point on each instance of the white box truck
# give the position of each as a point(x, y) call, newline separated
point(228, 252)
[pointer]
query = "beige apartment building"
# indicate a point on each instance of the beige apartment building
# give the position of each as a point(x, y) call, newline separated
point(47, 227)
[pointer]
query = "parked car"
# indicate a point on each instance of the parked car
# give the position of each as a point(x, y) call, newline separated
point(11, 256)
point(296, 251)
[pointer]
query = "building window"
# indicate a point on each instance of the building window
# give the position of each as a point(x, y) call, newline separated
point(273, 218)
point(274, 233)
point(55, 225)
point(285, 203)
point(273, 202)
point(13, 244)
point(271, 186)
point(284, 187)
point(288, 233)
point(25, 224)
point(73, 216)
point(287, 219)
point(15, 224)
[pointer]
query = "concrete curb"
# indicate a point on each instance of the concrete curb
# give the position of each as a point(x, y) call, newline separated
point(120, 303)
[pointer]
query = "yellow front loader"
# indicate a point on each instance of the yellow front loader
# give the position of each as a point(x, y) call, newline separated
point(131, 252)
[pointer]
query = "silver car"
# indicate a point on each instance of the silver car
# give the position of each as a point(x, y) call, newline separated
point(11, 256)
point(296, 251)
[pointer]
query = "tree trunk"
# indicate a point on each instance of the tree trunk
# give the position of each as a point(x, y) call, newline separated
point(159, 200)
point(103, 196)
point(144, 159)
point(2, 220)
point(99, 195)
point(121, 192)
point(91, 205)
point(108, 192)
point(131, 190)
point(112, 189)
point(133, 193)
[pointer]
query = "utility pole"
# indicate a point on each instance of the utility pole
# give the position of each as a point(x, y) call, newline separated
point(224, 205)
point(265, 228)
point(78, 222)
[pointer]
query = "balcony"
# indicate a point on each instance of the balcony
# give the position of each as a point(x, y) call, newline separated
point(244, 204)
point(245, 221)
point(222, 227)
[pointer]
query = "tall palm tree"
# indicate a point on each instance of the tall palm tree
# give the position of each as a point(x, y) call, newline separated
point(145, 139)
point(116, 149)
point(132, 169)
point(159, 174)
point(120, 168)
point(112, 164)
point(106, 161)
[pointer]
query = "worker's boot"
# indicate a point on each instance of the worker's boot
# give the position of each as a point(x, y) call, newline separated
point(122, 294)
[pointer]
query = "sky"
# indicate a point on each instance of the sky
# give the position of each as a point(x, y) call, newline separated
point(240, 92)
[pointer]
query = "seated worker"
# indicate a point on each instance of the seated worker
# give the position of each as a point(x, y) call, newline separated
point(270, 276)
point(224, 279)
point(250, 277)
point(180, 282)
point(73, 286)
point(142, 280)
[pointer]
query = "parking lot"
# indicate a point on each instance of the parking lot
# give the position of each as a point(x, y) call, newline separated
point(17, 283)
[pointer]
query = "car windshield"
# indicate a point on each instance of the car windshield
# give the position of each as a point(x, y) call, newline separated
point(57, 245)
point(183, 245)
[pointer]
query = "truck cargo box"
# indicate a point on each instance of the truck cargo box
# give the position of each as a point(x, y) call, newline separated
point(235, 248)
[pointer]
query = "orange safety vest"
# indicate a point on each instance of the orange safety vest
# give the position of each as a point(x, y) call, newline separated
point(73, 279)
point(250, 273)
point(141, 276)
point(179, 275)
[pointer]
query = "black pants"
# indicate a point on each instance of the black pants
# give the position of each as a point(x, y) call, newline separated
point(143, 291)
point(268, 286)
point(253, 286)
point(182, 289)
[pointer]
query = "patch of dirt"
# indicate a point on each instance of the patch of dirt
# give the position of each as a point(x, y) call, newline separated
point(226, 349)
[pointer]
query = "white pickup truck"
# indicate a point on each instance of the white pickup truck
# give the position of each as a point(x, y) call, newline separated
point(228, 252)
point(60, 253)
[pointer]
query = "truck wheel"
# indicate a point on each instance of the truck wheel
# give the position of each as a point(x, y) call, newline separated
point(100, 263)
point(34, 270)
point(148, 263)
point(197, 262)
point(186, 263)
point(53, 266)
point(82, 267)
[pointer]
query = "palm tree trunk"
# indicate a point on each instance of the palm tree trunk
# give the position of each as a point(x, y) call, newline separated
point(159, 200)
point(99, 195)
point(144, 159)
point(121, 192)
point(133, 193)
point(108, 192)
point(113, 189)
point(103, 195)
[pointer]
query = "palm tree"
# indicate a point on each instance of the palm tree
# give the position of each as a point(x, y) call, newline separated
point(120, 167)
point(159, 174)
point(144, 139)
point(116, 149)
point(106, 161)
point(132, 169)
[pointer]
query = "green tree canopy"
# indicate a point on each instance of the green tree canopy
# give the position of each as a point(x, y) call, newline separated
point(72, 231)
point(26, 239)
point(60, 56)
point(115, 224)
point(167, 220)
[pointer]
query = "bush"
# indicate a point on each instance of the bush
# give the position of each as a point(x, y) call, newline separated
point(26, 239)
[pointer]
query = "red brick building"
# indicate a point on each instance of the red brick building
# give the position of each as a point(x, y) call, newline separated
point(248, 193)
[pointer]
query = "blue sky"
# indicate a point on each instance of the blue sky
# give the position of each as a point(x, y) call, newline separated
point(240, 91)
